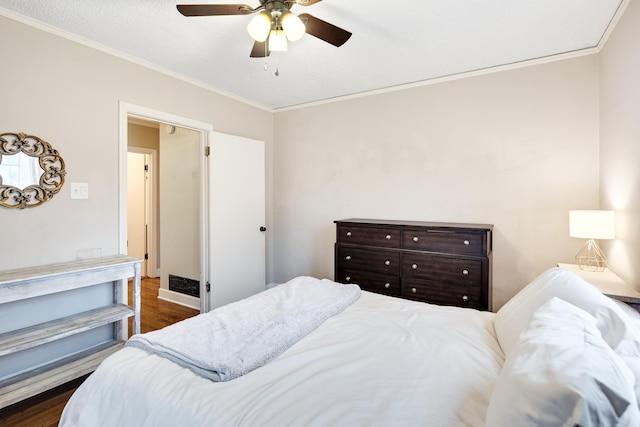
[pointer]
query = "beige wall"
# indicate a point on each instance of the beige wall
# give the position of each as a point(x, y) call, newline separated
point(517, 149)
point(620, 142)
point(69, 94)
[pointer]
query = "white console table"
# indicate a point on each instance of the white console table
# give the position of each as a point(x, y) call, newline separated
point(25, 283)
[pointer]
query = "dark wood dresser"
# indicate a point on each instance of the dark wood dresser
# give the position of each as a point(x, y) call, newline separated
point(439, 263)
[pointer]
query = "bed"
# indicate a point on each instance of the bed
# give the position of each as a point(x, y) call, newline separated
point(559, 353)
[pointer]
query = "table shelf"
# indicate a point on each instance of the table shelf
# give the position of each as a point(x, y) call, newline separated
point(22, 339)
point(15, 389)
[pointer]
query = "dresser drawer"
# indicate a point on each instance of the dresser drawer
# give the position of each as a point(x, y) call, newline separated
point(376, 260)
point(455, 242)
point(439, 293)
point(372, 282)
point(461, 271)
point(369, 236)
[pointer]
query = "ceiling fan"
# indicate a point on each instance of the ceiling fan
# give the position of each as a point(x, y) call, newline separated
point(274, 23)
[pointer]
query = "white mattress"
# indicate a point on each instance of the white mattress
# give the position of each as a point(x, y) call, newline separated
point(382, 362)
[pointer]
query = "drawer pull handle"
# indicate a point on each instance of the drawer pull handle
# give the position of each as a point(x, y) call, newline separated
point(415, 238)
point(388, 237)
point(348, 234)
point(414, 266)
point(348, 257)
point(465, 298)
point(414, 290)
point(387, 262)
point(466, 243)
point(465, 272)
point(348, 278)
point(387, 285)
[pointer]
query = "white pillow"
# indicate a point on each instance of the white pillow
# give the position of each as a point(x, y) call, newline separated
point(614, 325)
point(631, 312)
point(633, 362)
point(560, 372)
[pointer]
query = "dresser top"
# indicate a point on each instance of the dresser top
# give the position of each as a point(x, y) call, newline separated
point(399, 223)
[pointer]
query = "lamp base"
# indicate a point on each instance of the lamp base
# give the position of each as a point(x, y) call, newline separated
point(591, 257)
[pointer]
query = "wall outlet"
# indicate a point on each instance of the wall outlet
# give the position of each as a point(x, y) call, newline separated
point(79, 190)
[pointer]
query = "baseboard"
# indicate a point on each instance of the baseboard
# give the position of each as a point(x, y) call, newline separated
point(178, 298)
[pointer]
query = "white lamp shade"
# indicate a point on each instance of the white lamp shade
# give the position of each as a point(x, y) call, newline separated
point(277, 41)
point(592, 224)
point(293, 26)
point(259, 27)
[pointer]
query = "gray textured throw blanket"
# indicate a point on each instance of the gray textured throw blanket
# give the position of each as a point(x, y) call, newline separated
point(235, 339)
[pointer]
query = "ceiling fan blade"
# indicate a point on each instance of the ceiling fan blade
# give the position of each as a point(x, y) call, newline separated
point(259, 50)
point(307, 2)
point(213, 9)
point(324, 31)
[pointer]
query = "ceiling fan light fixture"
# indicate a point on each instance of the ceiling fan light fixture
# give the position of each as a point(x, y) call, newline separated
point(259, 27)
point(293, 26)
point(273, 25)
point(277, 41)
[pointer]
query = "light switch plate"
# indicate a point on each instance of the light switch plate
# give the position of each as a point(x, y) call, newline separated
point(79, 190)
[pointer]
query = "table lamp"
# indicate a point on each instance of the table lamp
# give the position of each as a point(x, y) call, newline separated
point(592, 225)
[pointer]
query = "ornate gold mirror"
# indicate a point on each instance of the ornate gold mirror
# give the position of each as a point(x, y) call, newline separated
point(31, 171)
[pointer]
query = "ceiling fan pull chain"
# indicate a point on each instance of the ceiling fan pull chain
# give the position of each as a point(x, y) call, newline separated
point(277, 70)
point(266, 55)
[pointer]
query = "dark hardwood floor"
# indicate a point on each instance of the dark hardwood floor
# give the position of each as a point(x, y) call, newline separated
point(44, 410)
point(156, 313)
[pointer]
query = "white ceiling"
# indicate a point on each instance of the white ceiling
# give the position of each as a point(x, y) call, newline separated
point(394, 43)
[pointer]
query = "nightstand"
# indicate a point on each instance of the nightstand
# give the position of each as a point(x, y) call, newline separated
point(607, 283)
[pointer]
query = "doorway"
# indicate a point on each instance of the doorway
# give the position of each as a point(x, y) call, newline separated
point(164, 122)
point(219, 202)
point(163, 206)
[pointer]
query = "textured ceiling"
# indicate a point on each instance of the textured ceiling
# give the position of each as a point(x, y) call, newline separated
point(393, 43)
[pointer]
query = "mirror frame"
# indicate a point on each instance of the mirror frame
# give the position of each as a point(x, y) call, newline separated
point(50, 161)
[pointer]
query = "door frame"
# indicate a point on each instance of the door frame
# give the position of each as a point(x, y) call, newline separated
point(125, 111)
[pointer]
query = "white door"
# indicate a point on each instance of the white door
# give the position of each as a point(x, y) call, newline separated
point(136, 214)
point(236, 244)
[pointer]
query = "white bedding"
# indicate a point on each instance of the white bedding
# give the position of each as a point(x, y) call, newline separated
point(432, 366)
point(235, 339)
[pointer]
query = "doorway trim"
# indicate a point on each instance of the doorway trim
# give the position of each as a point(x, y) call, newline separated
point(125, 111)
